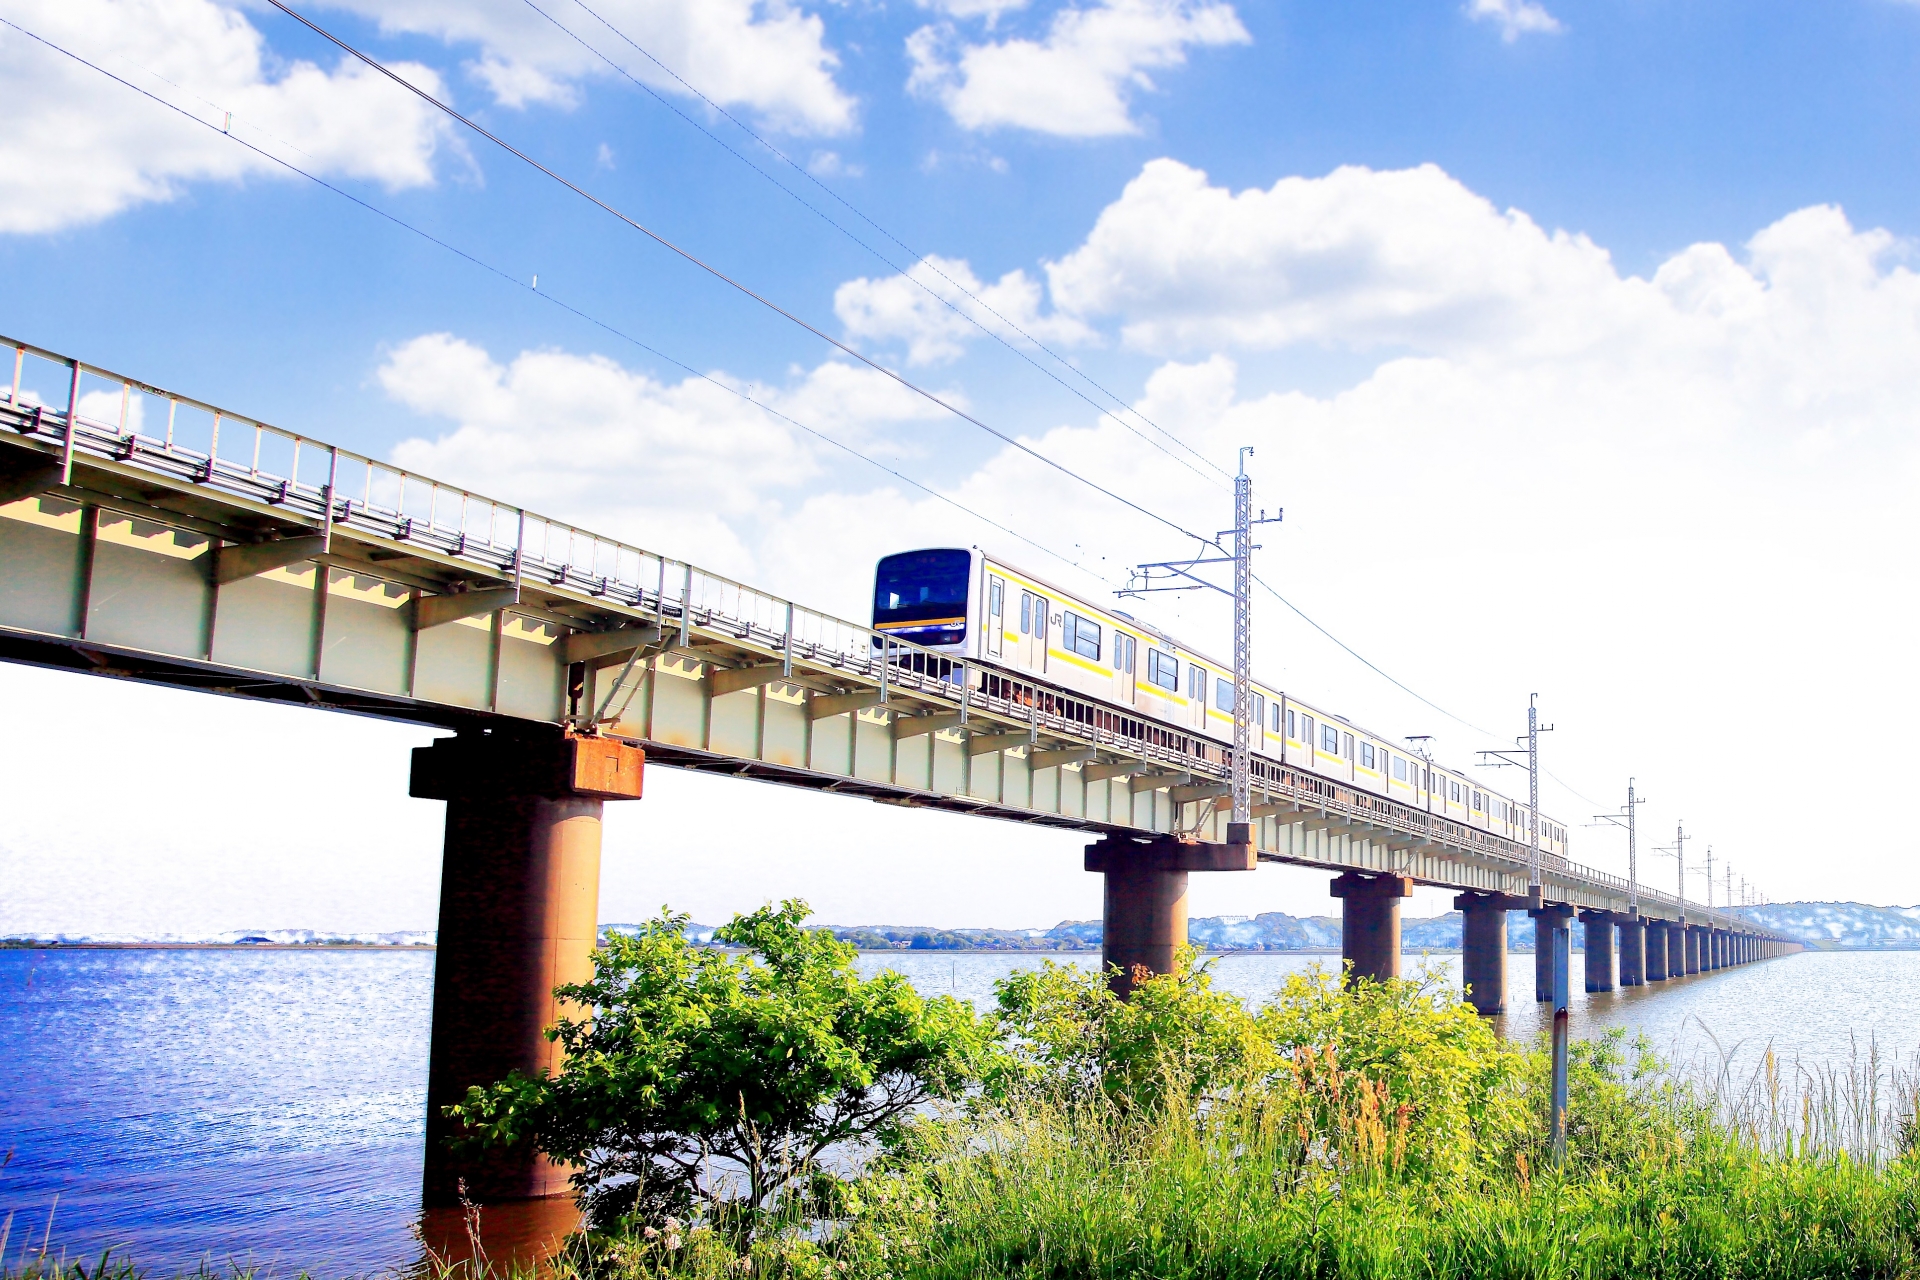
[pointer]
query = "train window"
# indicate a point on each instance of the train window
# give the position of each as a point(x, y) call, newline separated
point(1123, 652)
point(993, 599)
point(1479, 802)
point(1258, 716)
point(1026, 613)
point(1223, 695)
point(1163, 670)
point(1290, 733)
point(1454, 787)
point(1197, 684)
point(1366, 755)
point(1399, 769)
point(1306, 729)
point(1329, 739)
point(1277, 721)
point(1081, 636)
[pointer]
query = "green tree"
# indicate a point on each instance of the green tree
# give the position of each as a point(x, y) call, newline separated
point(759, 1060)
point(1062, 1027)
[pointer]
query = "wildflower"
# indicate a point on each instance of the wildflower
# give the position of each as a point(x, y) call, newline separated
point(649, 1233)
point(673, 1241)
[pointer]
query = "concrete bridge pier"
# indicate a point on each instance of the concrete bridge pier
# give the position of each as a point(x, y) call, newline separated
point(1483, 948)
point(1598, 930)
point(1655, 951)
point(1633, 951)
point(1676, 949)
point(519, 916)
point(1716, 949)
point(1545, 920)
point(1370, 923)
point(1144, 918)
point(1694, 948)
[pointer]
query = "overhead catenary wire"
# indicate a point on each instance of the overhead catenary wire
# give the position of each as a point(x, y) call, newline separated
point(552, 300)
point(1012, 441)
point(931, 397)
point(920, 259)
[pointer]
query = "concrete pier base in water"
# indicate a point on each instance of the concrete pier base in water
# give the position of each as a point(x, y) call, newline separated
point(1676, 949)
point(1144, 902)
point(519, 916)
point(1545, 919)
point(1598, 929)
point(1694, 947)
point(1656, 951)
point(1633, 951)
point(1370, 923)
point(1483, 948)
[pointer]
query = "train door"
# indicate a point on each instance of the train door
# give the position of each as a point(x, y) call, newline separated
point(996, 609)
point(1125, 656)
point(1033, 630)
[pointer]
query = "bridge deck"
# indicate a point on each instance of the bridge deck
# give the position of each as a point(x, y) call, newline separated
point(230, 556)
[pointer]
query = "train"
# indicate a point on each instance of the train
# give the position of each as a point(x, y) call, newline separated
point(979, 607)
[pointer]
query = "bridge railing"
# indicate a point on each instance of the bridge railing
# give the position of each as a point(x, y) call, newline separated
point(323, 486)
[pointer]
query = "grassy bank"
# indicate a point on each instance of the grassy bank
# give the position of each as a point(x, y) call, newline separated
point(1380, 1131)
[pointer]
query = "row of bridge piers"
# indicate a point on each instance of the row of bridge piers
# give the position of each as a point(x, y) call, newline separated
point(1146, 923)
point(519, 911)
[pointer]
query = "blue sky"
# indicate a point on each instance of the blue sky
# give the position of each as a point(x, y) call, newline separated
point(1602, 305)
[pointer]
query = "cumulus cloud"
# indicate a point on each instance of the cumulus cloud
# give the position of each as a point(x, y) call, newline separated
point(1515, 18)
point(682, 467)
point(898, 308)
point(1076, 82)
point(767, 56)
point(78, 148)
point(990, 10)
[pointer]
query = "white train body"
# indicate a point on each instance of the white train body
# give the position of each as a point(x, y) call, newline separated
point(977, 606)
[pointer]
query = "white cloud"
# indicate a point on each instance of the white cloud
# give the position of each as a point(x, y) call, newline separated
point(767, 56)
point(898, 309)
point(1077, 82)
point(1359, 257)
point(78, 148)
point(683, 468)
point(990, 10)
point(1514, 17)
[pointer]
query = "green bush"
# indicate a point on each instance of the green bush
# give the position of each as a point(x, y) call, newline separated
point(763, 1060)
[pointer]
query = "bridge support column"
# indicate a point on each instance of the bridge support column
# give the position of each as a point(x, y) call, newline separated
point(1370, 923)
point(1144, 921)
point(1693, 948)
point(1599, 940)
point(1483, 948)
point(1716, 949)
point(1633, 951)
point(1676, 948)
point(1656, 951)
point(1545, 920)
point(519, 916)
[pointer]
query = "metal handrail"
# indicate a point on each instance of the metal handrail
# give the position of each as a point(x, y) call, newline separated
point(506, 541)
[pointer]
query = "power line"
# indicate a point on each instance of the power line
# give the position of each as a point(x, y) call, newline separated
point(920, 259)
point(552, 300)
point(723, 277)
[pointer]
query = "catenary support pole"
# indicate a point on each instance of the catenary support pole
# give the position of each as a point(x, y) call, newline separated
point(519, 903)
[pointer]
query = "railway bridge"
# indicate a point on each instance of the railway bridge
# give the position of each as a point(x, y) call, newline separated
point(150, 536)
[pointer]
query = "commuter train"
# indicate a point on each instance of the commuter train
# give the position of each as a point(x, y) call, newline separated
point(977, 606)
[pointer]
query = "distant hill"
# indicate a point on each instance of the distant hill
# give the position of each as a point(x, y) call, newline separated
point(1842, 926)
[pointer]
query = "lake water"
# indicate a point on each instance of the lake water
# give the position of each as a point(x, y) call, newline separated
point(268, 1105)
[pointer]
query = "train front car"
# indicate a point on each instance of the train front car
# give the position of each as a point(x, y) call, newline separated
point(925, 598)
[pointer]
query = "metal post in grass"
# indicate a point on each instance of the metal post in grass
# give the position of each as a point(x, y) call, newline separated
point(1562, 935)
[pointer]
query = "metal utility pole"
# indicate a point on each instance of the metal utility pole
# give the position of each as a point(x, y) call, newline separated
point(1242, 640)
point(1504, 757)
point(1626, 819)
point(1709, 878)
point(1179, 576)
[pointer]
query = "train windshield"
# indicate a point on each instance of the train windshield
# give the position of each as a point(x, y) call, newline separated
point(922, 596)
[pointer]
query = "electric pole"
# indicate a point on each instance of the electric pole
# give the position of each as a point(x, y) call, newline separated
point(1709, 879)
point(1179, 576)
point(1626, 818)
point(1678, 852)
point(1503, 757)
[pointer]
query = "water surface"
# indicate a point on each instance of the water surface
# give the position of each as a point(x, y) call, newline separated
point(269, 1105)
